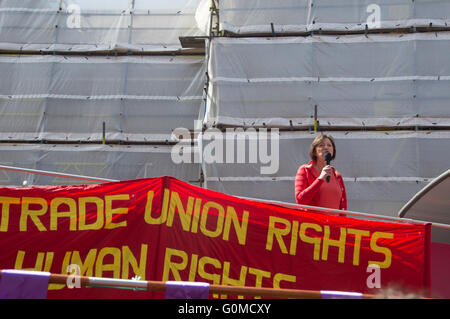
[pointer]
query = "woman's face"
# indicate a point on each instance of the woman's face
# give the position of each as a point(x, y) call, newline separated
point(323, 147)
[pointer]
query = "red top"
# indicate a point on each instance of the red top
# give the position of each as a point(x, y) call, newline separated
point(309, 190)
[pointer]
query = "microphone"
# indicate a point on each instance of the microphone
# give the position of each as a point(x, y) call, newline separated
point(327, 157)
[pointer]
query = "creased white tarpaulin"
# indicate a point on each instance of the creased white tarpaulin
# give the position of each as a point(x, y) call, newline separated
point(381, 170)
point(392, 80)
point(79, 25)
point(203, 16)
point(112, 162)
point(288, 16)
point(68, 98)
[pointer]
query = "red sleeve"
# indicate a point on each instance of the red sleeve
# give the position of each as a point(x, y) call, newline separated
point(304, 192)
point(343, 204)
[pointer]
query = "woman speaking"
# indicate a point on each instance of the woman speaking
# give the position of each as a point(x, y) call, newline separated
point(318, 183)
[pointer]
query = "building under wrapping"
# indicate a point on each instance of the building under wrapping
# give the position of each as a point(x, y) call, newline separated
point(99, 89)
point(375, 74)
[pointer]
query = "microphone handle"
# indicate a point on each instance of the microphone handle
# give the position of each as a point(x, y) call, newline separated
point(328, 177)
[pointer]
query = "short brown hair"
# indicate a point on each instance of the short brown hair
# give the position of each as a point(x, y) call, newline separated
point(319, 139)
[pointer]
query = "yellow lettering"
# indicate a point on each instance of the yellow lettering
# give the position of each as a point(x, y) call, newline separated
point(55, 213)
point(98, 224)
point(86, 266)
point(21, 256)
point(128, 260)
point(278, 278)
point(226, 280)
point(220, 217)
point(383, 250)
point(279, 233)
point(358, 235)
point(48, 261)
point(240, 229)
point(336, 243)
point(64, 266)
point(172, 267)
point(101, 266)
point(184, 215)
point(109, 211)
point(33, 214)
point(39, 264)
point(193, 267)
point(196, 216)
point(260, 274)
point(311, 240)
point(215, 278)
point(6, 202)
point(293, 247)
point(149, 219)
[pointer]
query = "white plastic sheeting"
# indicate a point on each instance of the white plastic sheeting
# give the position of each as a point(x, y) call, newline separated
point(203, 16)
point(378, 80)
point(390, 80)
point(83, 25)
point(381, 170)
point(287, 16)
point(104, 161)
point(68, 98)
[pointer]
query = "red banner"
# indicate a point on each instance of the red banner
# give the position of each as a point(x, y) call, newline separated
point(165, 229)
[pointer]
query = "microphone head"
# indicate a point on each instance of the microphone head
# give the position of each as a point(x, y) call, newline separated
point(327, 156)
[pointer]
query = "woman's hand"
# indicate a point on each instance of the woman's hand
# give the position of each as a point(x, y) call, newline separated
point(326, 171)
